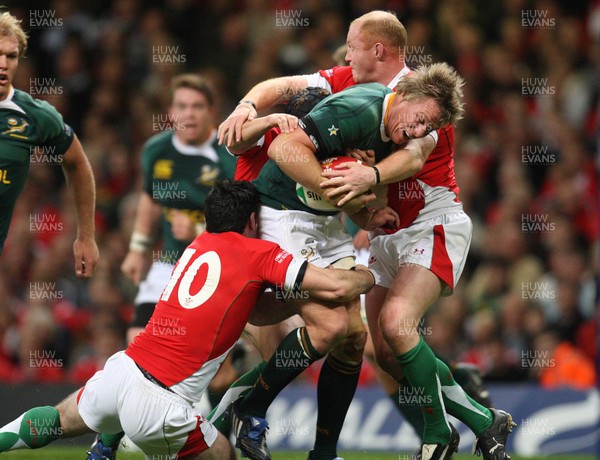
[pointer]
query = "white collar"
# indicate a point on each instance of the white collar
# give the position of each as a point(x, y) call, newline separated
point(8, 102)
point(205, 149)
point(405, 70)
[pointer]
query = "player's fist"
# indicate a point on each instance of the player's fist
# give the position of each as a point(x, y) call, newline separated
point(134, 266)
point(182, 227)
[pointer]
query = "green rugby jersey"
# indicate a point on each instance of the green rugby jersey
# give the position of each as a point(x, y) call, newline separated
point(352, 118)
point(25, 123)
point(179, 176)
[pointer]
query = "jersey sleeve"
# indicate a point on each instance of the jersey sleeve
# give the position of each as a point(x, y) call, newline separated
point(282, 270)
point(250, 163)
point(227, 162)
point(55, 132)
point(147, 165)
point(334, 80)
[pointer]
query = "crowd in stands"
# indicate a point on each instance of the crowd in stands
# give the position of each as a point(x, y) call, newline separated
point(526, 160)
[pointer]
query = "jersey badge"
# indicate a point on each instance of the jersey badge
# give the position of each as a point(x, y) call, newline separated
point(163, 169)
point(14, 128)
point(333, 130)
point(208, 175)
point(308, 253)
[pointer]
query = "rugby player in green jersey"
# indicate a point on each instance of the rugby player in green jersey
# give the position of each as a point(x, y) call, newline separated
point(423, 257)
point(27, 123)
point(362, 117)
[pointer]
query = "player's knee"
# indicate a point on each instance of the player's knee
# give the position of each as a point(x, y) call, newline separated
point(351, 349)
point(328, 333)
point(386, 361)
point(395, 326)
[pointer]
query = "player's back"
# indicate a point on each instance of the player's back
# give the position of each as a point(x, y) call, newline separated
point(204, 308)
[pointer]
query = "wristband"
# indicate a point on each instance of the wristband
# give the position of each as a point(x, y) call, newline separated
point(377, 175)
point(248, 101)
point(139, 242)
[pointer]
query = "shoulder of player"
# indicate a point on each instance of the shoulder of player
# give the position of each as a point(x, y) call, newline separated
point(160, 139)
point(157, 143)
point(359, 94)
point(338, 77)
point(375, 89)
point(221, 149)
point(36, 109)
point(239, 243)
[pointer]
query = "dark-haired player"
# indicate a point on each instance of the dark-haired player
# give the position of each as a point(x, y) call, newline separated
point(148, 390)
point(179, 167)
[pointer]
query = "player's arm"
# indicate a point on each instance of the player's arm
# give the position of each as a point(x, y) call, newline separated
point(262, 96)
point(253, 130)
point(80, 178)
point(354, 179)
point(144, 228)
point(337, 285)
point(294, 153)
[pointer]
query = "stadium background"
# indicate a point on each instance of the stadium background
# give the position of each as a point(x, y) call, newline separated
point(526, 162)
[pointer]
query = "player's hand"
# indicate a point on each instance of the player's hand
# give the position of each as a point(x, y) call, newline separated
point(232, 126)
point(285, 122)
point(386, 217)
point(361, 240)
point(356, 204)
point(352, 179)
point(86, 257)
point(366, 156)
point(182, 227)
point(134, 266)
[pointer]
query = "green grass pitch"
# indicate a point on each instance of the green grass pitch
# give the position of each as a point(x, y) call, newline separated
point(78, 453)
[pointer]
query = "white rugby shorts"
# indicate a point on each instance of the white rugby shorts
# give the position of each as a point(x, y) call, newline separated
point(321, 240)
point(440, 244)
point(119, 398)
point(151, 288)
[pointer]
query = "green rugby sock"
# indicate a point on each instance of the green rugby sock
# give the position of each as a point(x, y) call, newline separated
point(460, 405)
point(111, 440)
point(410, 412)
point(335, 390)
point(35, 428)
point(294, 354)
point(419, 366)
point(239, 388)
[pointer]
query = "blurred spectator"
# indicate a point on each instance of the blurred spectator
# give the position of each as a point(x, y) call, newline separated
point(559, 364)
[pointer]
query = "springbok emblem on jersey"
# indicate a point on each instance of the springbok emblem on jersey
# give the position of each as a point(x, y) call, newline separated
point(208, 175)
point(14, 127)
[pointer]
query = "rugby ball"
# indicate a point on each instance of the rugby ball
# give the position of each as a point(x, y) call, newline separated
point(313, 199)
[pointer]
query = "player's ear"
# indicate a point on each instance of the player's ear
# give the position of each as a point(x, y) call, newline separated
point(252, 226)
point(379, 50)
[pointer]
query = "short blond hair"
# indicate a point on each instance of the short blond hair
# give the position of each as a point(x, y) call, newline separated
point(11, 26)
point(382, 26)
point(438, 81)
